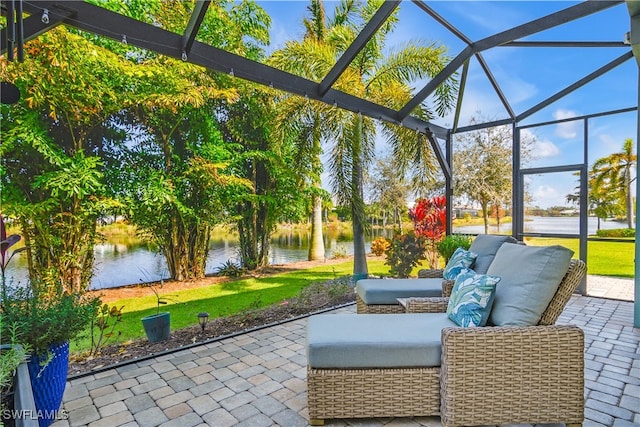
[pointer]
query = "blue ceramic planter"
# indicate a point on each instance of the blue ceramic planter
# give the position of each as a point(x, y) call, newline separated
point(48, 382)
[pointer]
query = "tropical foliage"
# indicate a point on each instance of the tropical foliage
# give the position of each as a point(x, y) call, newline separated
point(380, 246)
point(613, 174)
point(105, 128)
point(383, 79)
point(268, 163)
point(610, 180)
point(177, 160)
point(429, 218)
point(52, 178)
point(405, 252)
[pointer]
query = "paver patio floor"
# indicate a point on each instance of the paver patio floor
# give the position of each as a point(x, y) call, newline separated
point(258, 379)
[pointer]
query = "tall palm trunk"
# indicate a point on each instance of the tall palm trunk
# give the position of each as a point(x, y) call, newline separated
point(360, 269)
point(316, 243)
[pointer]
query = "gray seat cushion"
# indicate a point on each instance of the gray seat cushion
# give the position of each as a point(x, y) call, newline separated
point(375, 340)
point(385, 291)
point(486, 246)
point(530, 278)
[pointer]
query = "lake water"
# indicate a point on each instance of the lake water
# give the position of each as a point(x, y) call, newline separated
point(538, 224)
point(119, 263)
point(124, 262)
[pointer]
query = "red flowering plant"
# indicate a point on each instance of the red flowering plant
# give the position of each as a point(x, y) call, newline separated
point(429, 218)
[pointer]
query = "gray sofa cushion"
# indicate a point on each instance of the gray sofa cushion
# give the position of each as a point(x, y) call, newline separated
point(530, 278)
point(386, 291)
point(486, 246)
point(375, 340)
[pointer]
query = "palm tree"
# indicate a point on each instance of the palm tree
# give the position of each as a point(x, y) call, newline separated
point(615, 171)
point(385, 80)
point(306, 118)
point(602, 201)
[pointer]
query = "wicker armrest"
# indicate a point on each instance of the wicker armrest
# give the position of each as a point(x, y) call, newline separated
point(529, 374)
point(430, 273)
point(427, 305)
point(447, 287)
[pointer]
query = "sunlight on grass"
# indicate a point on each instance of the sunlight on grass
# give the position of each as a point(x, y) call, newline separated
point(225, 298)
point(604, 258)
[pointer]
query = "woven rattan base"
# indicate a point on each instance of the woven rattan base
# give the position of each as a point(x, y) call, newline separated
point(368, 393)
point(364, 308)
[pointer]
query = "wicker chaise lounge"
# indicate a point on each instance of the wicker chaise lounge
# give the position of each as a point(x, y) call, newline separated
point(376, 296)
point(476, 376)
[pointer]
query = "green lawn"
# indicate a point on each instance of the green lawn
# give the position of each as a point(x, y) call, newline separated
point(226, 298)
point(604, 258)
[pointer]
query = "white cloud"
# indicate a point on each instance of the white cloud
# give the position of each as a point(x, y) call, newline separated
point(567, 130)
point(609, 143)
point(546, 196)
point(542, 148)
point(545, 148)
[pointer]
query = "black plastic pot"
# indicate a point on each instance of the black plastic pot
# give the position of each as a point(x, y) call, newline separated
point(157, 327)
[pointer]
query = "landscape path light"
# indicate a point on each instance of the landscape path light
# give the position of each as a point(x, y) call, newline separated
point(203, 318)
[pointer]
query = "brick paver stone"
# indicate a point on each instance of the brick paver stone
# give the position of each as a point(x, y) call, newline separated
point(151, 417)
point(115, 420)
point(177, 411)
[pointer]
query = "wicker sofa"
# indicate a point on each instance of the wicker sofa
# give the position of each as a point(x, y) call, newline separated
point(485, 375)
point(376, 296)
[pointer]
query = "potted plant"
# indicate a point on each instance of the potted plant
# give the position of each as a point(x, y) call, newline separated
point(157, 326)
point(43, 319)
point(46, 325)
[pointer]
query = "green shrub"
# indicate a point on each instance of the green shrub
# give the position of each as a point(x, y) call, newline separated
point(230, 269)
point(340, 251)
point(448, 245)
point(404, 254)
point(617, 232)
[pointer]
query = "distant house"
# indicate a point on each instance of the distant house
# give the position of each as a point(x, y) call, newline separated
point(569, 212)
point(461, 212)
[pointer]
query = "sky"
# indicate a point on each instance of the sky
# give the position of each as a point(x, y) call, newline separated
point(526, 76)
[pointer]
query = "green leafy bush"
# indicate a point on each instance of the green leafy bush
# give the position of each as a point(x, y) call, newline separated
point(230, 269)
point(448, 245)
point(617, 232)
point(405, 253)
point(103, 327)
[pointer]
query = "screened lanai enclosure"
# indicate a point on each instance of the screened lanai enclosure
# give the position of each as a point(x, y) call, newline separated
point(568, 76)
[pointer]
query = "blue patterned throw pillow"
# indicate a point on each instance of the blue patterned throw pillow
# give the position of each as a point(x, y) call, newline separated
point(459, 261)
point(471, 298)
